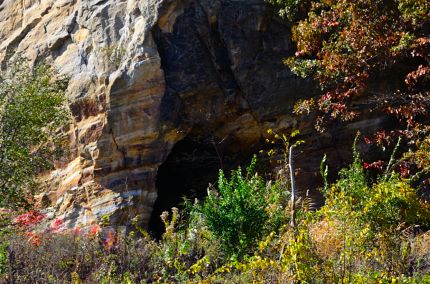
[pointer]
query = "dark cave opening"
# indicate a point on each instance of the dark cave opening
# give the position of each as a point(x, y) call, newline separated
point(190, 167)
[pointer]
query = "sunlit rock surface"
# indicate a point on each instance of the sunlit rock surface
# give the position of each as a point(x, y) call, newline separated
point(146, 74)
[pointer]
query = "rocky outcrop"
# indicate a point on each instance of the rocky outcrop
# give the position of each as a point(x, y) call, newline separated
point(145, 75)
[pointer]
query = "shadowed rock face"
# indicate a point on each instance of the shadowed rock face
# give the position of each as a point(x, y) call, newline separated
point(146, 75)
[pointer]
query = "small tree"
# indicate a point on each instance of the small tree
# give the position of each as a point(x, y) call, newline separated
point(32, 108)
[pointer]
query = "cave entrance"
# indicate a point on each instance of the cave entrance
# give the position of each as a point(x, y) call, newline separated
point(190, 167)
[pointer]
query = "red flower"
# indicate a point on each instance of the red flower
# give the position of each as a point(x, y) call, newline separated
point(29, 219)
point(94, 231)
point(56, 224)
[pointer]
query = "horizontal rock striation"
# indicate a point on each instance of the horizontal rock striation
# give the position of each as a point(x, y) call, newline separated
point(145, 75)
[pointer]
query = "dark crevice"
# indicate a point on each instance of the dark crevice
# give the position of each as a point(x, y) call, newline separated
point(192, 165)
point(116, 144)
point(188, 170)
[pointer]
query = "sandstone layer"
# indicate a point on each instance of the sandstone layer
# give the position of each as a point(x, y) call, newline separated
point(145, 75)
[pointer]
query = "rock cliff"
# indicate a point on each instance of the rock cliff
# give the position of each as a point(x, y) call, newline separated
point(204, 75)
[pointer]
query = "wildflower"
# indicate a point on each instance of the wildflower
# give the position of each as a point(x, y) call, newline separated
point(56, 224)
point(29, 219)
point(94, 230)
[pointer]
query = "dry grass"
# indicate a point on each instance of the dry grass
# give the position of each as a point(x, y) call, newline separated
point(327, 238)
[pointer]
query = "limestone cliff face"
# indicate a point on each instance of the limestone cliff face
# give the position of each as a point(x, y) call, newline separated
point(147, 74)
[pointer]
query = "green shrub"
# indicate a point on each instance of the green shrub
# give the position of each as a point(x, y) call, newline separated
point(32, 108)
point(238, 212)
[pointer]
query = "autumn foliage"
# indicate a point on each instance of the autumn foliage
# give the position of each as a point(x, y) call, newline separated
point(347, 45)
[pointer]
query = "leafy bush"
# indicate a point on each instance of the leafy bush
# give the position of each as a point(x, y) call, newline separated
point(32, 108)
point(238, 212)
